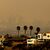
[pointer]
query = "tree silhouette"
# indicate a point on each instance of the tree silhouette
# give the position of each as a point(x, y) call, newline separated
point(18, 28)
point(25, 28)
point(31, 28)
point(38, 30)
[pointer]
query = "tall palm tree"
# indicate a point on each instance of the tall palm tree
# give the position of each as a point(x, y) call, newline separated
point(31, 28)
point(18, 28)
point(25, 28)
point(38, 30)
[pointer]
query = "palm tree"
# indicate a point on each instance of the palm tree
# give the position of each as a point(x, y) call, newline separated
point(18, 28)
point(38, 30)
point(25, 28)
point(31, 28)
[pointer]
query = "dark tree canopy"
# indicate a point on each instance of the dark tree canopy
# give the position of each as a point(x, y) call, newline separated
point(36, 33)
point(31, 27)
point(38, 29)
point(25, 27)
point(18, 27)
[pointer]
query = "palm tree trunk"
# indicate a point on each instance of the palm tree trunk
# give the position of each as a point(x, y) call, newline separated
point(30, 32)
point(25, 32)
point(18, 32)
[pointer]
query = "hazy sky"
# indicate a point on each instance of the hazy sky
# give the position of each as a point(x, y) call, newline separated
point(24, 12)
